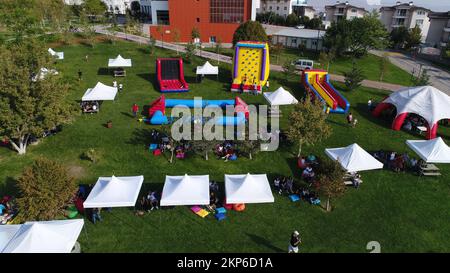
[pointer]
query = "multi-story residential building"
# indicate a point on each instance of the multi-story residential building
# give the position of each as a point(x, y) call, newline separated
point(439, 30)
point(341, 11)
point(407, 15)
point(215, 19)
point(286, 7)
point(158, 10)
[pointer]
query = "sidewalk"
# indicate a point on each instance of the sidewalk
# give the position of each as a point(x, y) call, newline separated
point(227, 59)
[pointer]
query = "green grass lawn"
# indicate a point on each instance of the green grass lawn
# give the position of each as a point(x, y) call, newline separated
point(403, 212)
point(369, 64)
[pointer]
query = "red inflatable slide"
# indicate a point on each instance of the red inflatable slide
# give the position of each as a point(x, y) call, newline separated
point(170, 75)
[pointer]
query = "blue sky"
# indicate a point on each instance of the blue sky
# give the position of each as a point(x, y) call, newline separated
point(434, 5)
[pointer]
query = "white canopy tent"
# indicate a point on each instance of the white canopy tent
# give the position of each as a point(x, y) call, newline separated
point(119, 62)
point(185, 190)
point(432, 151)
point(100, 92)
point(58, 55)
point(248, 188)
point(43, 72)
point(114, 191)
point(353, 158)
point(280, 97)
point(207, 69)
point(57, 236)
point(426, 101)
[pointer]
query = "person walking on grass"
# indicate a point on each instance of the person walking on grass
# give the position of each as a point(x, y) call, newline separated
point(295, 242)
point(135, 109)
point(80, 74)
point(350, 119)
point(96, 215)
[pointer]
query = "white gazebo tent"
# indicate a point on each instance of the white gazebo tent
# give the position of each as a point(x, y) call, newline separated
point(247, 188)
point(100, 92)
point(119, 61)
point(114, 191)
point(432, 151)
point(185, 190)
point(280, 97)
point(353, 158)
point(207, 69)
point(58, 55)
point(57, 236)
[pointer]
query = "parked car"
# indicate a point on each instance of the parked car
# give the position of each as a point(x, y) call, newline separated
point(304, 64)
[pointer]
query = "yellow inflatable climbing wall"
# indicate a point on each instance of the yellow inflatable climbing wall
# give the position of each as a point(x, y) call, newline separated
point(250, 66)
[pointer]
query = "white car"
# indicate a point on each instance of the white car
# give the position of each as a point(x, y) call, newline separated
point(304, 64)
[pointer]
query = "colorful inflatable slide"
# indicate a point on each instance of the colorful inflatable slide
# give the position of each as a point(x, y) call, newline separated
point(170, 75)
point(250, 66)
point(157, 111)
point(317, 83)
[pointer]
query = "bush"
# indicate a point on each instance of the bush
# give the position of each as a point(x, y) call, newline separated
point(46, 189)
point(354, 77)
point(91, 155)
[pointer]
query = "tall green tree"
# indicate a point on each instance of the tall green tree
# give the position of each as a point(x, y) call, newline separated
point(414, 37)
point(354, 77)
point(250, 147)
point(331, 179)
point(325, 58)
point(203, 147)
point(45, 189)
point(398, 37)
point(384, 66)
point(95, 7)
point(422, 79)
point(195, 33)
point(292, 20)
point(29, 107)
point(307, 124)
point(288, 69)
point(20, 17)
point(250, 31)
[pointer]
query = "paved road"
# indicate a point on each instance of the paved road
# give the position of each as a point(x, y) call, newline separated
point(227, 59)
point(439, 78)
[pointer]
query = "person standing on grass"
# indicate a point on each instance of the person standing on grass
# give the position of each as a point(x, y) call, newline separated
point(355, 121)
point(135, 109)
point(96, 215)
point(80, 74)
point(369, 104)
point(294, 243)
point(350, 118)
point(267, 86)
point(120, 88)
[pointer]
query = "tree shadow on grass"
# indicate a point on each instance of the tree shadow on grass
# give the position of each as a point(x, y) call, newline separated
point(8, 187)
point(127, 114)
point(262, 241)
point(104, 71)
point(150, 77)
point(140, 136)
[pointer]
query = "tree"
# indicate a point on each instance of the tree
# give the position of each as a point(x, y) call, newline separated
point(135, 8)
point(250, 147)
point(195, 33)
point(218, 47)
point(152, 45)
point(45, 189)
point(331, 179)
point(29, 108)
point(276, 49)
point(250, 31)
point(288, 69)
point(356, 36)
point(160, 30)
point(94, 7)
point(384, 66)
point(414, 37)
point(325, 58)
point(314, 23)
point(292, 20)
point(203, 147)
point(20, 17)
point(176, 37)
point(422, 79)
point(398, 37)
point(189, 52)
point(307, 124)
point(354, 77)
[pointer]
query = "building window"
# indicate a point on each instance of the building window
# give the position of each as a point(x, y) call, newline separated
point(285, 8)
point(419, 22)
point(420, 12)
point(341, 10)
point(278, 8)
point(270, 7)
point(198, 20)
point(227, 11)
point(399, 22)
point(354, 10)
point(401, 12)
point(162, 17)
point(212, 39)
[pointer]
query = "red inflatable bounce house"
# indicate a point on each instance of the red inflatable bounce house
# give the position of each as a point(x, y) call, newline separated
point(170, 75)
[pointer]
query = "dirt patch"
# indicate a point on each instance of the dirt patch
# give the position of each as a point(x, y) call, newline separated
point(76, 171)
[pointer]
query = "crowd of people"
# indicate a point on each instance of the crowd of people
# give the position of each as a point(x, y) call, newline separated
point(286, 185)
point(399, 162)
point(8, 209)
point(89, 106)
point(148, 202)
point(226, 151)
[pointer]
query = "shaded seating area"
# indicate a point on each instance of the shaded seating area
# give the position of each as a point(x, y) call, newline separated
point(430, 151)
point(90, 102)
point(190, 190)
point(119, 64)
point(206, 69)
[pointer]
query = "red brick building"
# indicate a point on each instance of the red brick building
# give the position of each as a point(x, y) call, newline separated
point(213, 18)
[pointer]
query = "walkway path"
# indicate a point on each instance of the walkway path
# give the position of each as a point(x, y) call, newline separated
point(439, 78)
point(227, 59)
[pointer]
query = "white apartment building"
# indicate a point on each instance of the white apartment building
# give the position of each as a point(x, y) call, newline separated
point(155, 9)
point(407, 15)
point(341, 11)
point(439, 30)
point(286, 7)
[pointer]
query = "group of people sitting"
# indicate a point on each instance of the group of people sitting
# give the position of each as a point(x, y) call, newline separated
point(7, 209)
point(90, 106)
point(214, 200)
point(286, 185)
point(413, 121)
point(148, 202)
point(226, 151)
point(399, 162)
point(307, 166)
